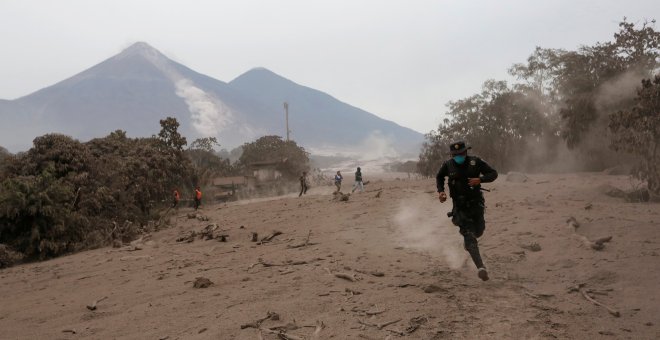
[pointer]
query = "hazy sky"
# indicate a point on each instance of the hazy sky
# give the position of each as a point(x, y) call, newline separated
point(401, 60)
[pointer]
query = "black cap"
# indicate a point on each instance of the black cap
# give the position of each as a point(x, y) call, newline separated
point(458, 147)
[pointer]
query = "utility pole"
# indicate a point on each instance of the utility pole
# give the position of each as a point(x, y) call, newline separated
point(286, 112)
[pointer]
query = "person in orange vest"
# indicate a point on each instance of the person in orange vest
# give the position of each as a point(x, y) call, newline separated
point(177, 197)
point(198, 197)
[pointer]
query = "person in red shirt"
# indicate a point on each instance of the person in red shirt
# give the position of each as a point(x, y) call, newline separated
point(177, 198)
point(198, 197)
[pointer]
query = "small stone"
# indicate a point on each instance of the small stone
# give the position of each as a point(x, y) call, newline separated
point(202, 282)
point(431, 289)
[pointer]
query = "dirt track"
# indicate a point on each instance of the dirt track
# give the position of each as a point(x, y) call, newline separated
point(403, 236)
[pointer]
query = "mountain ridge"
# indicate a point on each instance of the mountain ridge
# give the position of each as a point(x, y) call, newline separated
point(134, 89)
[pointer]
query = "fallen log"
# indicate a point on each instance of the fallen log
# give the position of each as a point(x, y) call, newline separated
point(93, 305)
point(260, 261)
point(580, 288)
point(379, 325)
point(304, 244)
point(257, 323)
point(281, 334)
point(609, 309)
point(345, 276)
point(270, 237)
point(598, 244)
point(317, 331)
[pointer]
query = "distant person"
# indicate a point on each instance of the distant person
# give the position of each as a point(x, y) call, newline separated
point(338, 179)
point(303, 184)
point(198, 197)
point(358, 181)
point(176, 198)
point(464, 177)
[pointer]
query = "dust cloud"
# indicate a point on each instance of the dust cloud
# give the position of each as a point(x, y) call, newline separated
point(620, 90)
point(422, 224)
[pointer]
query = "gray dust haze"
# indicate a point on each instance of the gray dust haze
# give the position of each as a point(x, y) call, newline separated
point(422, 224)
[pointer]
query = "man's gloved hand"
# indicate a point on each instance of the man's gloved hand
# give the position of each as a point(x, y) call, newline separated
point(442, 196)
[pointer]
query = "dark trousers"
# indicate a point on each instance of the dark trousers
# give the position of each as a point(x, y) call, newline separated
point(469, 217)
point(197, 203)
point(303, 189)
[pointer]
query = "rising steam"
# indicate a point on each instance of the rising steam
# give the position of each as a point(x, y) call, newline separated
point(422, 224)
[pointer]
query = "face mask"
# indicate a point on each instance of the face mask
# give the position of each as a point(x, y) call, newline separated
point(459, 159)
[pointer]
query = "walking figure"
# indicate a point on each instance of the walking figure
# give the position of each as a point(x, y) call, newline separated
point(358, 181)
point(176, 198)
point(198, 197)
point(338, 179)
point(303, 184)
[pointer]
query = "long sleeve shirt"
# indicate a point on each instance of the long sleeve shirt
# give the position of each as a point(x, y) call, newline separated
point(458, 174)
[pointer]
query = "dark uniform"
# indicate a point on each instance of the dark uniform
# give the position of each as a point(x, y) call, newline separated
point(303, 184)
point(468, 201)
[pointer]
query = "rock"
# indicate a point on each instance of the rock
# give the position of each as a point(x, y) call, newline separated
point(639, 195)
point(611, 191)
point(378, 274)
point(431, 289)
point(616, 170)
point(188, 237)
point(533, 247)
point(340, 196)
point(516, 177)
point(202, 282)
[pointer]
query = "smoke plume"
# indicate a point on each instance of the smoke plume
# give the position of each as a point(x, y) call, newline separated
point(208, 114)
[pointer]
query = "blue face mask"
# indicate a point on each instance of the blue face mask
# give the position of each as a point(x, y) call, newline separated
point(459, 159)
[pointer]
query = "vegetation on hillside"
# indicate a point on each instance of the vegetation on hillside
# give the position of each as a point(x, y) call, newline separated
point(579, 101)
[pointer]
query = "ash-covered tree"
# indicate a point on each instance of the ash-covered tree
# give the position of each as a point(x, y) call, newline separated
point(169, 134)
point(503, 125)
point(5, 157)
point(590, 83)
point(206, 162)
point(63, 195)
point(39, 197)
point(637, 131)
point(293, 159)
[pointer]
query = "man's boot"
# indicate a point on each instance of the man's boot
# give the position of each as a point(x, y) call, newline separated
point(472, 247)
